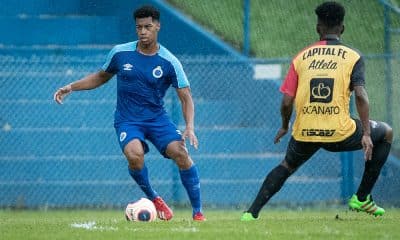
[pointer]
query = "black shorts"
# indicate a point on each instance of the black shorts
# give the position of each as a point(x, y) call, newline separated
point(298, 152)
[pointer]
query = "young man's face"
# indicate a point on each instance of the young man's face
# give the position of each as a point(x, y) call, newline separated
point(147, 30)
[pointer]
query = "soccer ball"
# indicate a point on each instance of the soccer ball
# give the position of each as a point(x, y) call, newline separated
point(142, 210)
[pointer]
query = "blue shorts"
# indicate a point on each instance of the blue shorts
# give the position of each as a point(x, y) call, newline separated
point(160, 132)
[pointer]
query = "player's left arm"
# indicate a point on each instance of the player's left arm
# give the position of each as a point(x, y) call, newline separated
point(357, 83)
point(362, 104)
point(186, 100)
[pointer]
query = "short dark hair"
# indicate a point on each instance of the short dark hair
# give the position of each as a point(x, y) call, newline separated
point(331, 14)
point(147, 11)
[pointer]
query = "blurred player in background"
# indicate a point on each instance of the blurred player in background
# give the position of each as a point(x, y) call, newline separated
point(145, 70)
point(319, 82)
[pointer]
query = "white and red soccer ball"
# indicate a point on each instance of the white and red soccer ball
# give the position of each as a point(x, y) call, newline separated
point(142, 210)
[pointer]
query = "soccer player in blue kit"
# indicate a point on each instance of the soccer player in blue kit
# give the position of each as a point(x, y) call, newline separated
point(145, 70)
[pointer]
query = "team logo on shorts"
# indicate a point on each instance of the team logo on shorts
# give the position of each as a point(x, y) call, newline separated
point(122, 136)
point(157, 72)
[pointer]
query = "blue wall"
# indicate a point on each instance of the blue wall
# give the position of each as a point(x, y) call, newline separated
point(38, 22)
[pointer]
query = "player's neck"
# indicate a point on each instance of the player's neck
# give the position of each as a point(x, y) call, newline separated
point(147, 49)
point(330, 36)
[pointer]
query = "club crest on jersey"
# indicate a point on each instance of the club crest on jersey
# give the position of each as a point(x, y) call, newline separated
point(127, 66)
point(122, 136)
point(157, 72)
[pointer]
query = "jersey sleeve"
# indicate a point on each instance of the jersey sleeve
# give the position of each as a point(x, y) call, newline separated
point(110, 66)
point(357, 77)
point(289, 85)
point(177, 75)
point(179, 78)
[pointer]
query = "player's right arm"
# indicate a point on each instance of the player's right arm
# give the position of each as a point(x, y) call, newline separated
point(91, 81)
point(288, 88)
point(286, 113)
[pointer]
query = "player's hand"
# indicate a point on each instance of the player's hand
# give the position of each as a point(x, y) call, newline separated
point(367, 144)
point(61, 93)
point(281, 132)
point(189, 133)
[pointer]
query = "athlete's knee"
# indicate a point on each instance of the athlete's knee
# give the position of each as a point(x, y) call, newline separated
point(135, 160)
point(183, 160)
point(185, 163)
point(388, 133)
point(179, 153)
point(134, 153)
point(286, 165)
point(176, 149)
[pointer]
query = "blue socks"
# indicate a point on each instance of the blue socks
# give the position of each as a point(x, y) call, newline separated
point(191, 182)
point(189, 178)
point(142, 179)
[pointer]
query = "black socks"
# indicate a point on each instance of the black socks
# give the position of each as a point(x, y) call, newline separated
point(272, 184)
point(372, 169)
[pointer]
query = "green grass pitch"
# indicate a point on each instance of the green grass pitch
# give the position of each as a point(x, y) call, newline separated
point(273, 224)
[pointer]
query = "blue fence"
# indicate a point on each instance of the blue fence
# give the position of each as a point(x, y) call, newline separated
point(68, 155)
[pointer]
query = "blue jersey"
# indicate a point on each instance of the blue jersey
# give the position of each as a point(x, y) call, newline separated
point(142, 81)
